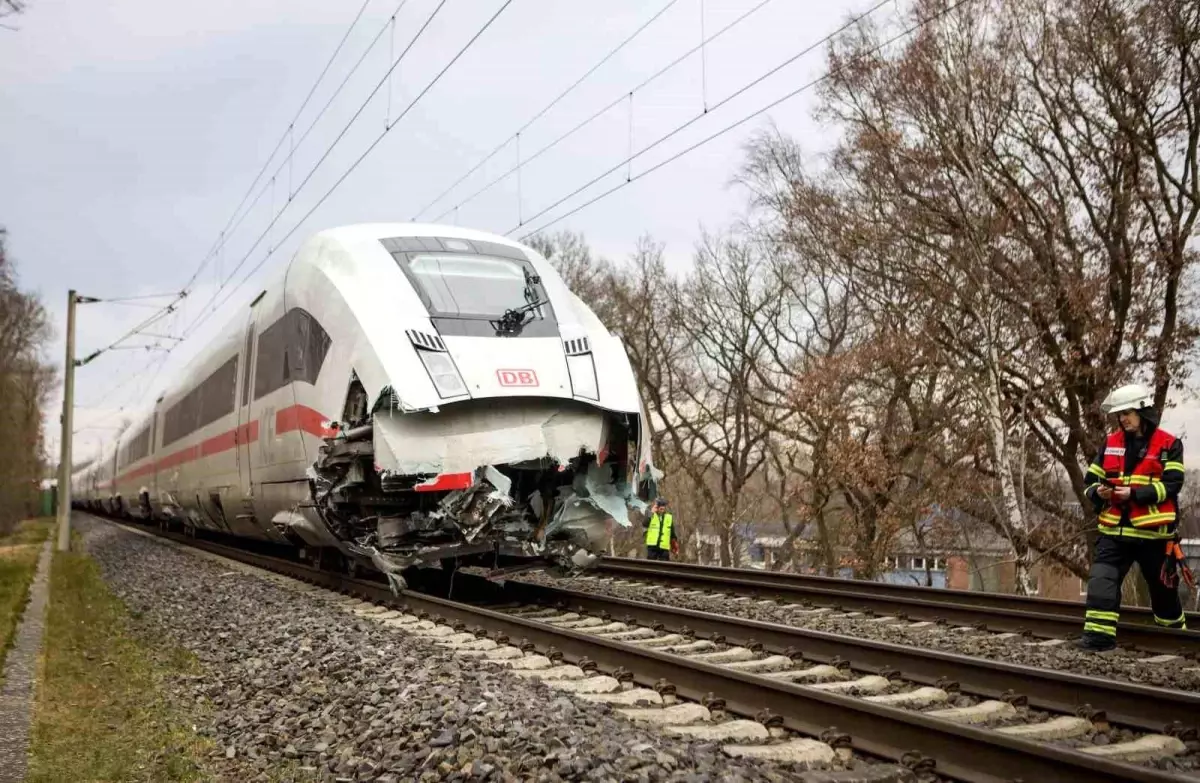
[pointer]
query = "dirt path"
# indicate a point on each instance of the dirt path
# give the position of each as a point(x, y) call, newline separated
point(20, 670)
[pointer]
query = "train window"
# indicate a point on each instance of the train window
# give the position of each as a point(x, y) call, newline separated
point(137, 448)
point(470, 285)
point(180, 418)
point(291, 349)
point(209, 401)
point(268, 363)
point(466, 293)
point(454, 245)
point(307, 346)
point(217, 393)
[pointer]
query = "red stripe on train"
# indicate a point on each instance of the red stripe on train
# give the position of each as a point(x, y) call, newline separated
point(303, 418)
point(248, 433)
point(297, 417)
point(446, 481)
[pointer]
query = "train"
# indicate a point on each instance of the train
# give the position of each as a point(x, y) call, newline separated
point(397, 396)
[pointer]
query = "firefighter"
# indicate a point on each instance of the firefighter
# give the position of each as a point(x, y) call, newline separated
point(660, 531)
point(1133, 484)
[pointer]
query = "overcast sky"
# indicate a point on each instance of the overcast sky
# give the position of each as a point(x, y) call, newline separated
point(130, 131)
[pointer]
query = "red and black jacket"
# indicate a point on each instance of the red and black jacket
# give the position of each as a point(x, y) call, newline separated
point(1153, 468)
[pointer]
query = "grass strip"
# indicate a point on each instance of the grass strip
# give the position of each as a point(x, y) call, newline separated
point(102, 712)
point(18, 564)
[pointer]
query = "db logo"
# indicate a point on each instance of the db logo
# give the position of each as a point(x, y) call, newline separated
point(517, 377)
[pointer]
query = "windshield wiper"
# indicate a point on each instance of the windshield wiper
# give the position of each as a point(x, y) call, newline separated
point(514, 319)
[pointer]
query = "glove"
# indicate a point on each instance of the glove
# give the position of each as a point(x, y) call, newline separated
point(1175, 564)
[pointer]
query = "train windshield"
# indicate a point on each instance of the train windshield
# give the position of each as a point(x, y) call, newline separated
point(471, 285)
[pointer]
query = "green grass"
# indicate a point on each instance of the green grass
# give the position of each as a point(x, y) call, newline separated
point(18, 564)
point(31, 531)
point(101, 713)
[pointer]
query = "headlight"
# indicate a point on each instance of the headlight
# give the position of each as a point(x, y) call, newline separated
point(443, 373)
point(583, 376)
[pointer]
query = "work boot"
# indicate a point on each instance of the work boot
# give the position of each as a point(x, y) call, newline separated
point(1095, 642)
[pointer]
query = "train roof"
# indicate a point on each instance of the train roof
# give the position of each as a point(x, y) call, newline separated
point(351, 236)
point(348, 236)
point(379, 231)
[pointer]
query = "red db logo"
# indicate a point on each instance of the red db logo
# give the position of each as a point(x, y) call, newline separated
point(517, 377)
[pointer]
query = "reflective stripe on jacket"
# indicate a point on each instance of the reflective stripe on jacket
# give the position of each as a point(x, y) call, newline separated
point(1149, 506)
point(659, 532)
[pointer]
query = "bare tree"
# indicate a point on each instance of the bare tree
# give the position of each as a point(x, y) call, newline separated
point(10, 8)
point(872, 397)
point(800, 371)
point(589, 277)
point(24, 386)
point(708, 415)
point(1012, 205)
point(695, 345)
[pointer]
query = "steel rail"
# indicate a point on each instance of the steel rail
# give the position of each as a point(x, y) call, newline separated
point(962, 752)
point(991, 610)
point(1140, 706)
point(627, 566)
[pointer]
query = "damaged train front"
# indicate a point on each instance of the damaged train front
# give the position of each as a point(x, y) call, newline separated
point(505, 483)
point(504, 427)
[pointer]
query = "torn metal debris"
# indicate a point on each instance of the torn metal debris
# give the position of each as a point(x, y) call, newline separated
point(493, 484)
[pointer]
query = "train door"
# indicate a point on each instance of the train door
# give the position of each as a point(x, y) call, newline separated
point(114, 492)
point(148, 498)
point(248, 427)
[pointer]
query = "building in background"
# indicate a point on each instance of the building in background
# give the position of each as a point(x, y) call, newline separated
point(946, 550)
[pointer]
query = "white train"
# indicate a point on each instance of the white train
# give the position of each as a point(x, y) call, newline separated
point(399, 395)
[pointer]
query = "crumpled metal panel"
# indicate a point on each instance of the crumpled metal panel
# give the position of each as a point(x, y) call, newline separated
point(308, 526)
point(592, 499)
point(459, 440)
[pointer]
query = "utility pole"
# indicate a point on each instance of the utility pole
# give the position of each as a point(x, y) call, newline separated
point(64, 464)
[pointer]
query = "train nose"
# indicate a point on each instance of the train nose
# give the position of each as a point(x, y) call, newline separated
point(526, 367)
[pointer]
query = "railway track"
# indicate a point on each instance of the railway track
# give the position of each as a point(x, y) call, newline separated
point(1143, 707)
point(744, 671)
point(1045, 618)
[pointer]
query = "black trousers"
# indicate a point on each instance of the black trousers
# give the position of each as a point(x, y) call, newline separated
point(654, 553)
point(1113, 558)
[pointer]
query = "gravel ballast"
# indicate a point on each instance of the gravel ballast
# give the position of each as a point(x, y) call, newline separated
point(291, 681)
point(1119, 664)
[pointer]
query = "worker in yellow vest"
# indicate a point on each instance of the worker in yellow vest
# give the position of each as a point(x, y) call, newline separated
point(660, 530)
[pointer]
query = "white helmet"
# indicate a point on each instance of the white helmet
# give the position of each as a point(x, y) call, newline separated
point(1132, 397)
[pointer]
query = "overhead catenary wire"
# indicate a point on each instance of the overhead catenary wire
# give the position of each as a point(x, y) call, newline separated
point(350, 170)
point(153, 319)
point(144, 305)
point(803, 88)
point(119, 299)
point(163, 363)
point(622, 98)
point(608, 56)
point(283, 137)
point(156, 362)
point(297, 144)
point(205, 312)
point(177, 297)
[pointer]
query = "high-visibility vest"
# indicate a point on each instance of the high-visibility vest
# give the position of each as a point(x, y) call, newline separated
point(1147, 472)
point(659, 532)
